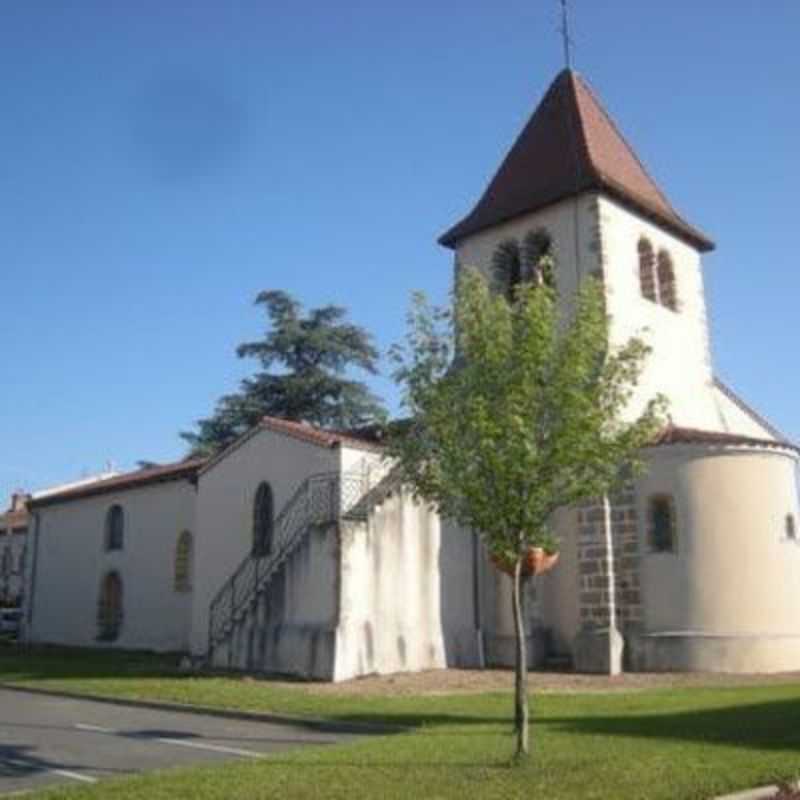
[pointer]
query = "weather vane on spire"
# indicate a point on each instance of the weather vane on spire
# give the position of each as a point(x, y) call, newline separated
point(564, 31)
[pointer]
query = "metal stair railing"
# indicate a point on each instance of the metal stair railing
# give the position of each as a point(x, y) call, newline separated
point(319, 500)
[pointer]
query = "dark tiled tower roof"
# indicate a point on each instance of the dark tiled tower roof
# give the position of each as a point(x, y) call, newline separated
point(571, 145)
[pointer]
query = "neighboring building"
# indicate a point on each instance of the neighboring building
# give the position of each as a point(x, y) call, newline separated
point(297, 550)
point(13, 540)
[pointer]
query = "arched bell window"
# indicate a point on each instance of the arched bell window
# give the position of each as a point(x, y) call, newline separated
point(532, 262)
point(109, 608)
point(507, 268)
point(537, 258)
point(667, 291)
point(183, 562)
point(115, 528)
point(647, 275)
point(263, 521)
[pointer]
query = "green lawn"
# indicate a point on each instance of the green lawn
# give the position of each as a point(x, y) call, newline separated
point(689, 743)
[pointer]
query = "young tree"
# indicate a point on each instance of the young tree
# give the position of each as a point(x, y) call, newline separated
point(516, 411)
point(305, 360)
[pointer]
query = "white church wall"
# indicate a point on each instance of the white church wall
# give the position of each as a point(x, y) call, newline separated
point(727, 598)
point(391, 591)
point(226, 496)
point(467, 598)
point(71, 562)
point(680, 363)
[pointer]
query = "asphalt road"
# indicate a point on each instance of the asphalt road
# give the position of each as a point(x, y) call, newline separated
point(45, 740)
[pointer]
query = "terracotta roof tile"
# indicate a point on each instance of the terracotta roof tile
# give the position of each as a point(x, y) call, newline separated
point(570, 145)
point(676, 435)
point(130, 480)
point(319, 436)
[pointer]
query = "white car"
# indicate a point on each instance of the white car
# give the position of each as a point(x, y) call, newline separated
point(10, 621)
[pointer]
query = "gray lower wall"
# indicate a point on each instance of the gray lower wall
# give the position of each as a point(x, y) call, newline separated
point(701, 652)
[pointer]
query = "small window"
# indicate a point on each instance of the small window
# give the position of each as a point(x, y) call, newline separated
point(667, 292)
point(661, 519)
point(263, 521)
point(183, 563)
point(109, 608)
point(647, 274)
point(791, 530)
point(115, 528)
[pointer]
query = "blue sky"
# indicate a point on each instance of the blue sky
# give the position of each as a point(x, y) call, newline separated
point(160, 163)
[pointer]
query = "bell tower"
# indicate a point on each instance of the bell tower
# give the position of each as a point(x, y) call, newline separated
point(573, 181)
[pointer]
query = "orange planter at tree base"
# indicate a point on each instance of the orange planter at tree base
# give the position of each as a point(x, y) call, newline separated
point(536, 562)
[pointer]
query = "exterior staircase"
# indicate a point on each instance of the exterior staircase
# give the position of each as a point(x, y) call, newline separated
point(319, 501)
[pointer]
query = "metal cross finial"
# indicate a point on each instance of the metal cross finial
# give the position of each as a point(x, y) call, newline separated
point(564, 30)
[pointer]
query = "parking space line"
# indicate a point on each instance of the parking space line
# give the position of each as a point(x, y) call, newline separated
point(216, 748)
point(81, 726)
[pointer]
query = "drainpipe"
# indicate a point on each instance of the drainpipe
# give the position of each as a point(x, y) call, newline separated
point(614, 636)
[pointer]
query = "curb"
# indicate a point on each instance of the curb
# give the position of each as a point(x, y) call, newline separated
point(314, 723)
point(759, 793)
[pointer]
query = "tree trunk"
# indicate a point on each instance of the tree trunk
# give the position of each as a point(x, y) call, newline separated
point(521, 666)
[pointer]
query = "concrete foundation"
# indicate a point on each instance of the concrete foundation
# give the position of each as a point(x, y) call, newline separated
point(685, 651)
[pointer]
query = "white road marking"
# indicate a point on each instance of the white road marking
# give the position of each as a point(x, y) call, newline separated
point(82, 726)
point(76, 776)
point(217, 748)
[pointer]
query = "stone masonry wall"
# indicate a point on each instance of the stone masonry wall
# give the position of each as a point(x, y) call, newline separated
point(592, 562)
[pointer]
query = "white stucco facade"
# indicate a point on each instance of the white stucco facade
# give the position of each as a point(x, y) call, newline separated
point(70, 560)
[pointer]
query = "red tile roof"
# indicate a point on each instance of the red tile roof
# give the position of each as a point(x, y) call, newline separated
point(675, 435)
point(319, 436)
point(747, 408)
point(180, 470)
point(571, 145)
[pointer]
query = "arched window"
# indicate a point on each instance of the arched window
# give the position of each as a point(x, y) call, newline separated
point(263, 521)
point(115, 528)
point(791, 529)
point(507, 268)
point(537, 258)
point(647, 276)
point(661, 524)
point(109, 608)
point(667, 291)
point(183, 562)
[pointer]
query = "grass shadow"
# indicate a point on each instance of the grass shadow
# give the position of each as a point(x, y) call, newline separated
point(770, 725)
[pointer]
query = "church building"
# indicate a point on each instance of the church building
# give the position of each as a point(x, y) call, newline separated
point(297, 550)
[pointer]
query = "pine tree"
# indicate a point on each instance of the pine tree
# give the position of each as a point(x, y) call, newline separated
point(305, 360)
